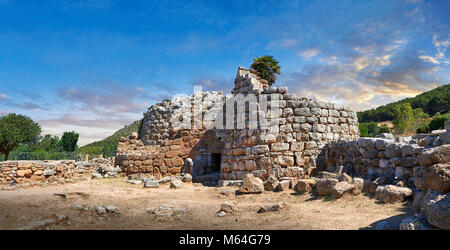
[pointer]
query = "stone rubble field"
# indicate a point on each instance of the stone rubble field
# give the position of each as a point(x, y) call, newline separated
point(115, 203)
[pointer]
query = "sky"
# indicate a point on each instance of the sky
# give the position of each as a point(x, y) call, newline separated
point(94, 66)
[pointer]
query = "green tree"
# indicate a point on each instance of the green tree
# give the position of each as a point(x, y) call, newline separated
point(16, 130)
point(384, 129)
point(403, 116)
point(50, 144)
point(267, 67)
point(363, 130)
point(370, 129)
point(438, 122)
point(420, 119)
point(69, 141)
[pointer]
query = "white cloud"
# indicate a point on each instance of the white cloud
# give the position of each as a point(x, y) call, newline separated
point(309, 53)
point(429, 59)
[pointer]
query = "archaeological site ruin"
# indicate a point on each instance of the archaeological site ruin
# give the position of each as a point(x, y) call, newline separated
point(291, 142)
point(261, 138)
point(285, 139)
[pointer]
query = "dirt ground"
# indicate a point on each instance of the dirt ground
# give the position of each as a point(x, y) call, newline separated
point(196, 207)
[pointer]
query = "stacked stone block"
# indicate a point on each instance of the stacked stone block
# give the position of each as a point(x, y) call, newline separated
point(291, 145)
point(394, 159)
point(38, 172)
point(285, 141)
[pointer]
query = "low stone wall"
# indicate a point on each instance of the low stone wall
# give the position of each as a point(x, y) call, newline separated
point(393, 159)
point(158, 160)
point(40, 172)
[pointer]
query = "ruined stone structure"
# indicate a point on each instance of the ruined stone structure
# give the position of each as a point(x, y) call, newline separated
point(54, 171)
point(392, 159)
point(286, 138)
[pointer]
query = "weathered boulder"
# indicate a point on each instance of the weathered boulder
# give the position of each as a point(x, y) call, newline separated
point(385, 135)
point(175, 184)
point(187, 178)
point(392, 194)
point(372, 186)
point(419, 178)
point(111, 208)
point(434, 155)
point(271, 183)
point(151, 184)
point(228, 207)
point(359, 185)
point(345, 177)
point(304, 185)
point(187, 166)
point(438, 177)
point(271, 208)
point(283, 185)
point(100, 209)
point(328, 175)
point(415, 223)
point(333, 187)
point(251, 185)
point(435, 207)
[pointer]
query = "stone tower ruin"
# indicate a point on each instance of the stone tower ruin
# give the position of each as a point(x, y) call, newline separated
point(257, 129)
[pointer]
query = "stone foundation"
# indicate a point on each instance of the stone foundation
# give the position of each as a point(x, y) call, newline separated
point(22, 172)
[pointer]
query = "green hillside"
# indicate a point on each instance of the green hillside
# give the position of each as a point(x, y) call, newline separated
point(431, 102)
point(108, 146)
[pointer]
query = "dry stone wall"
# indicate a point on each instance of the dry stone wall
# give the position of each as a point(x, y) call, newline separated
point(393, 160)
point(286, 140)
point(30, 172)
point(50, 171)
point(291, 147)
point(163, 145)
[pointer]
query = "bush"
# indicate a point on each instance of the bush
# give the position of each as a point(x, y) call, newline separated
point(438, 122)
point(384, 129)
point(371, 129)
point(422, 130)
point(363, 130)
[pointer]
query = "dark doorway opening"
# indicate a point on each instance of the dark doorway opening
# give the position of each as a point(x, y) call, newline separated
point(216, 159)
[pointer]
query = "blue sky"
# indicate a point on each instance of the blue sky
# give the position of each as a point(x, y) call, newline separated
point(94, 66)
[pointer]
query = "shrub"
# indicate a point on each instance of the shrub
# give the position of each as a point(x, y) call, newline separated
point(438, 122)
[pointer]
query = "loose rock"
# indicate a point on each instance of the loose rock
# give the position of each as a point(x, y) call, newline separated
point(251, 185)
point(392, 194)
point(271, 208)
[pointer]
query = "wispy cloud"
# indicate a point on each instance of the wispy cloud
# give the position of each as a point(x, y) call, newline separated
point(3, 96)
point(309, 53)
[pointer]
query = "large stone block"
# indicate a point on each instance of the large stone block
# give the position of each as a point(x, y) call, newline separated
point(319, 128)
point(434, 155)
point(438, 177)
point(279, 146)
point(284, 161)
point(251, 184)
point(392, 194)
point(260, 149)
point(333, 187)
point(304, 185)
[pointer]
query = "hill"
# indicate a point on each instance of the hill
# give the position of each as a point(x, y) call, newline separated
point(108, 146)
point(431, 102)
